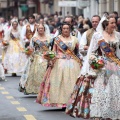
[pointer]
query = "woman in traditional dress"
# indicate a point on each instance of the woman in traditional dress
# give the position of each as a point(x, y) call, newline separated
point(2, 75)
point(14, 57)
point(96, 93)
point(37, 65)
point(62, 71)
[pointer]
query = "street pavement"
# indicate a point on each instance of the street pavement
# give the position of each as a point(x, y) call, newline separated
point(14, 105)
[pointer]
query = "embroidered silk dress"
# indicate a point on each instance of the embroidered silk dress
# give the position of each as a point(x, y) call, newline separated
point(2, 75)
point(100, 96)
point(14, 59)
point(58, 84)
point(34, 70)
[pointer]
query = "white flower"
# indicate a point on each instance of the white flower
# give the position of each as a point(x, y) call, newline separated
point(92, 57)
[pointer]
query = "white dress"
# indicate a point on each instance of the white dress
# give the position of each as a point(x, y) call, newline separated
point(105, 100)
point(2, 74)
point(14, 59)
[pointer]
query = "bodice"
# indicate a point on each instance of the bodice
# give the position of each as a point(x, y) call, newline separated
point(115, 43)
point(37, 48)
point(40, 49)
point(72, 44)
point(16, 34)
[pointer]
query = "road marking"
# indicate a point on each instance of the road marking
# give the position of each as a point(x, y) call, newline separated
point(2, 88)
point(29, 117)
point(9, 97)
point(21, 109)
point(15, 102)
point(5, 92)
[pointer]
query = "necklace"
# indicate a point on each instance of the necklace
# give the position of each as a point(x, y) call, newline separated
point(110, 34)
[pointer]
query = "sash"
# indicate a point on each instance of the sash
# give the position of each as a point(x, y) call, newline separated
point(66, 50)
point(16, 40)
point(42, 45)
point(108, 52)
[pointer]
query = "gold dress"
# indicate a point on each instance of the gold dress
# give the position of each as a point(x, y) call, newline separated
point(56, 89)
point(34, 71)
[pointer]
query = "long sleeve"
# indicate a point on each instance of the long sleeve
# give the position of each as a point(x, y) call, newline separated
point(96, 38)
point(83, 42)
point(7, 35)
point(47, 29)
point(93, 47)
point(23, 33)
point(77, 53)
point(79, 36)
point(56, 33)
point(118, 45)
point(95, 44)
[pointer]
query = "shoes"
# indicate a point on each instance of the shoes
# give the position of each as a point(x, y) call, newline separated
point(63, 108)
point(5, 71)
point(14, 74)
point(2, 79)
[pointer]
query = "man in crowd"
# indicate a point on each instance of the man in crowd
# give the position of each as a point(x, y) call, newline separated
point(74, 32)
point(86, 37)
point(28, 31)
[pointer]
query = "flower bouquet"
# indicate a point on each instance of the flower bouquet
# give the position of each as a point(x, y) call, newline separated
point(28, 50)
point(49, 55)
point(96, 62)
point(5, 43)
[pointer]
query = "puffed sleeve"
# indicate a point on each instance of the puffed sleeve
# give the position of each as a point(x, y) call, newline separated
point(49, 38)
point(76, 50)
point(23, 33)
point(83, 42)
point(118, 45)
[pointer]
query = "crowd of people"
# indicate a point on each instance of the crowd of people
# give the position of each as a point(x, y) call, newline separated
point(72, 62)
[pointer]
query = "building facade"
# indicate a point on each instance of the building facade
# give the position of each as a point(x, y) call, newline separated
point(18, 7)
point(72, 7)
point(86, 7)
point(7, 8)
point(109, 6)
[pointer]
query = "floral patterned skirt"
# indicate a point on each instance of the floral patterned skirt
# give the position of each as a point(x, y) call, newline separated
point(97, 97)
point(79, 102)
point(105, 100)
point(58, 83)
point(35, 74)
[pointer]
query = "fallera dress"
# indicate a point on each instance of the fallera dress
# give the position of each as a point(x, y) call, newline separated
point(60, 80)
point(14, 58)
point(35, 69)
point(98, 96)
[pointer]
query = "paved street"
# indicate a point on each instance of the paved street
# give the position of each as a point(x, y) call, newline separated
point(17, 106)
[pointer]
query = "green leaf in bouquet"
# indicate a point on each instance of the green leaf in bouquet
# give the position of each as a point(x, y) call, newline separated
point(26, 49)
point(96, 66)
point(52, 55)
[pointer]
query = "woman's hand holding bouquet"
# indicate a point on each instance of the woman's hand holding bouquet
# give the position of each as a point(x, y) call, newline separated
point(29, 50)
point(5, 43)
point(49, 55)
point(96, 62)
